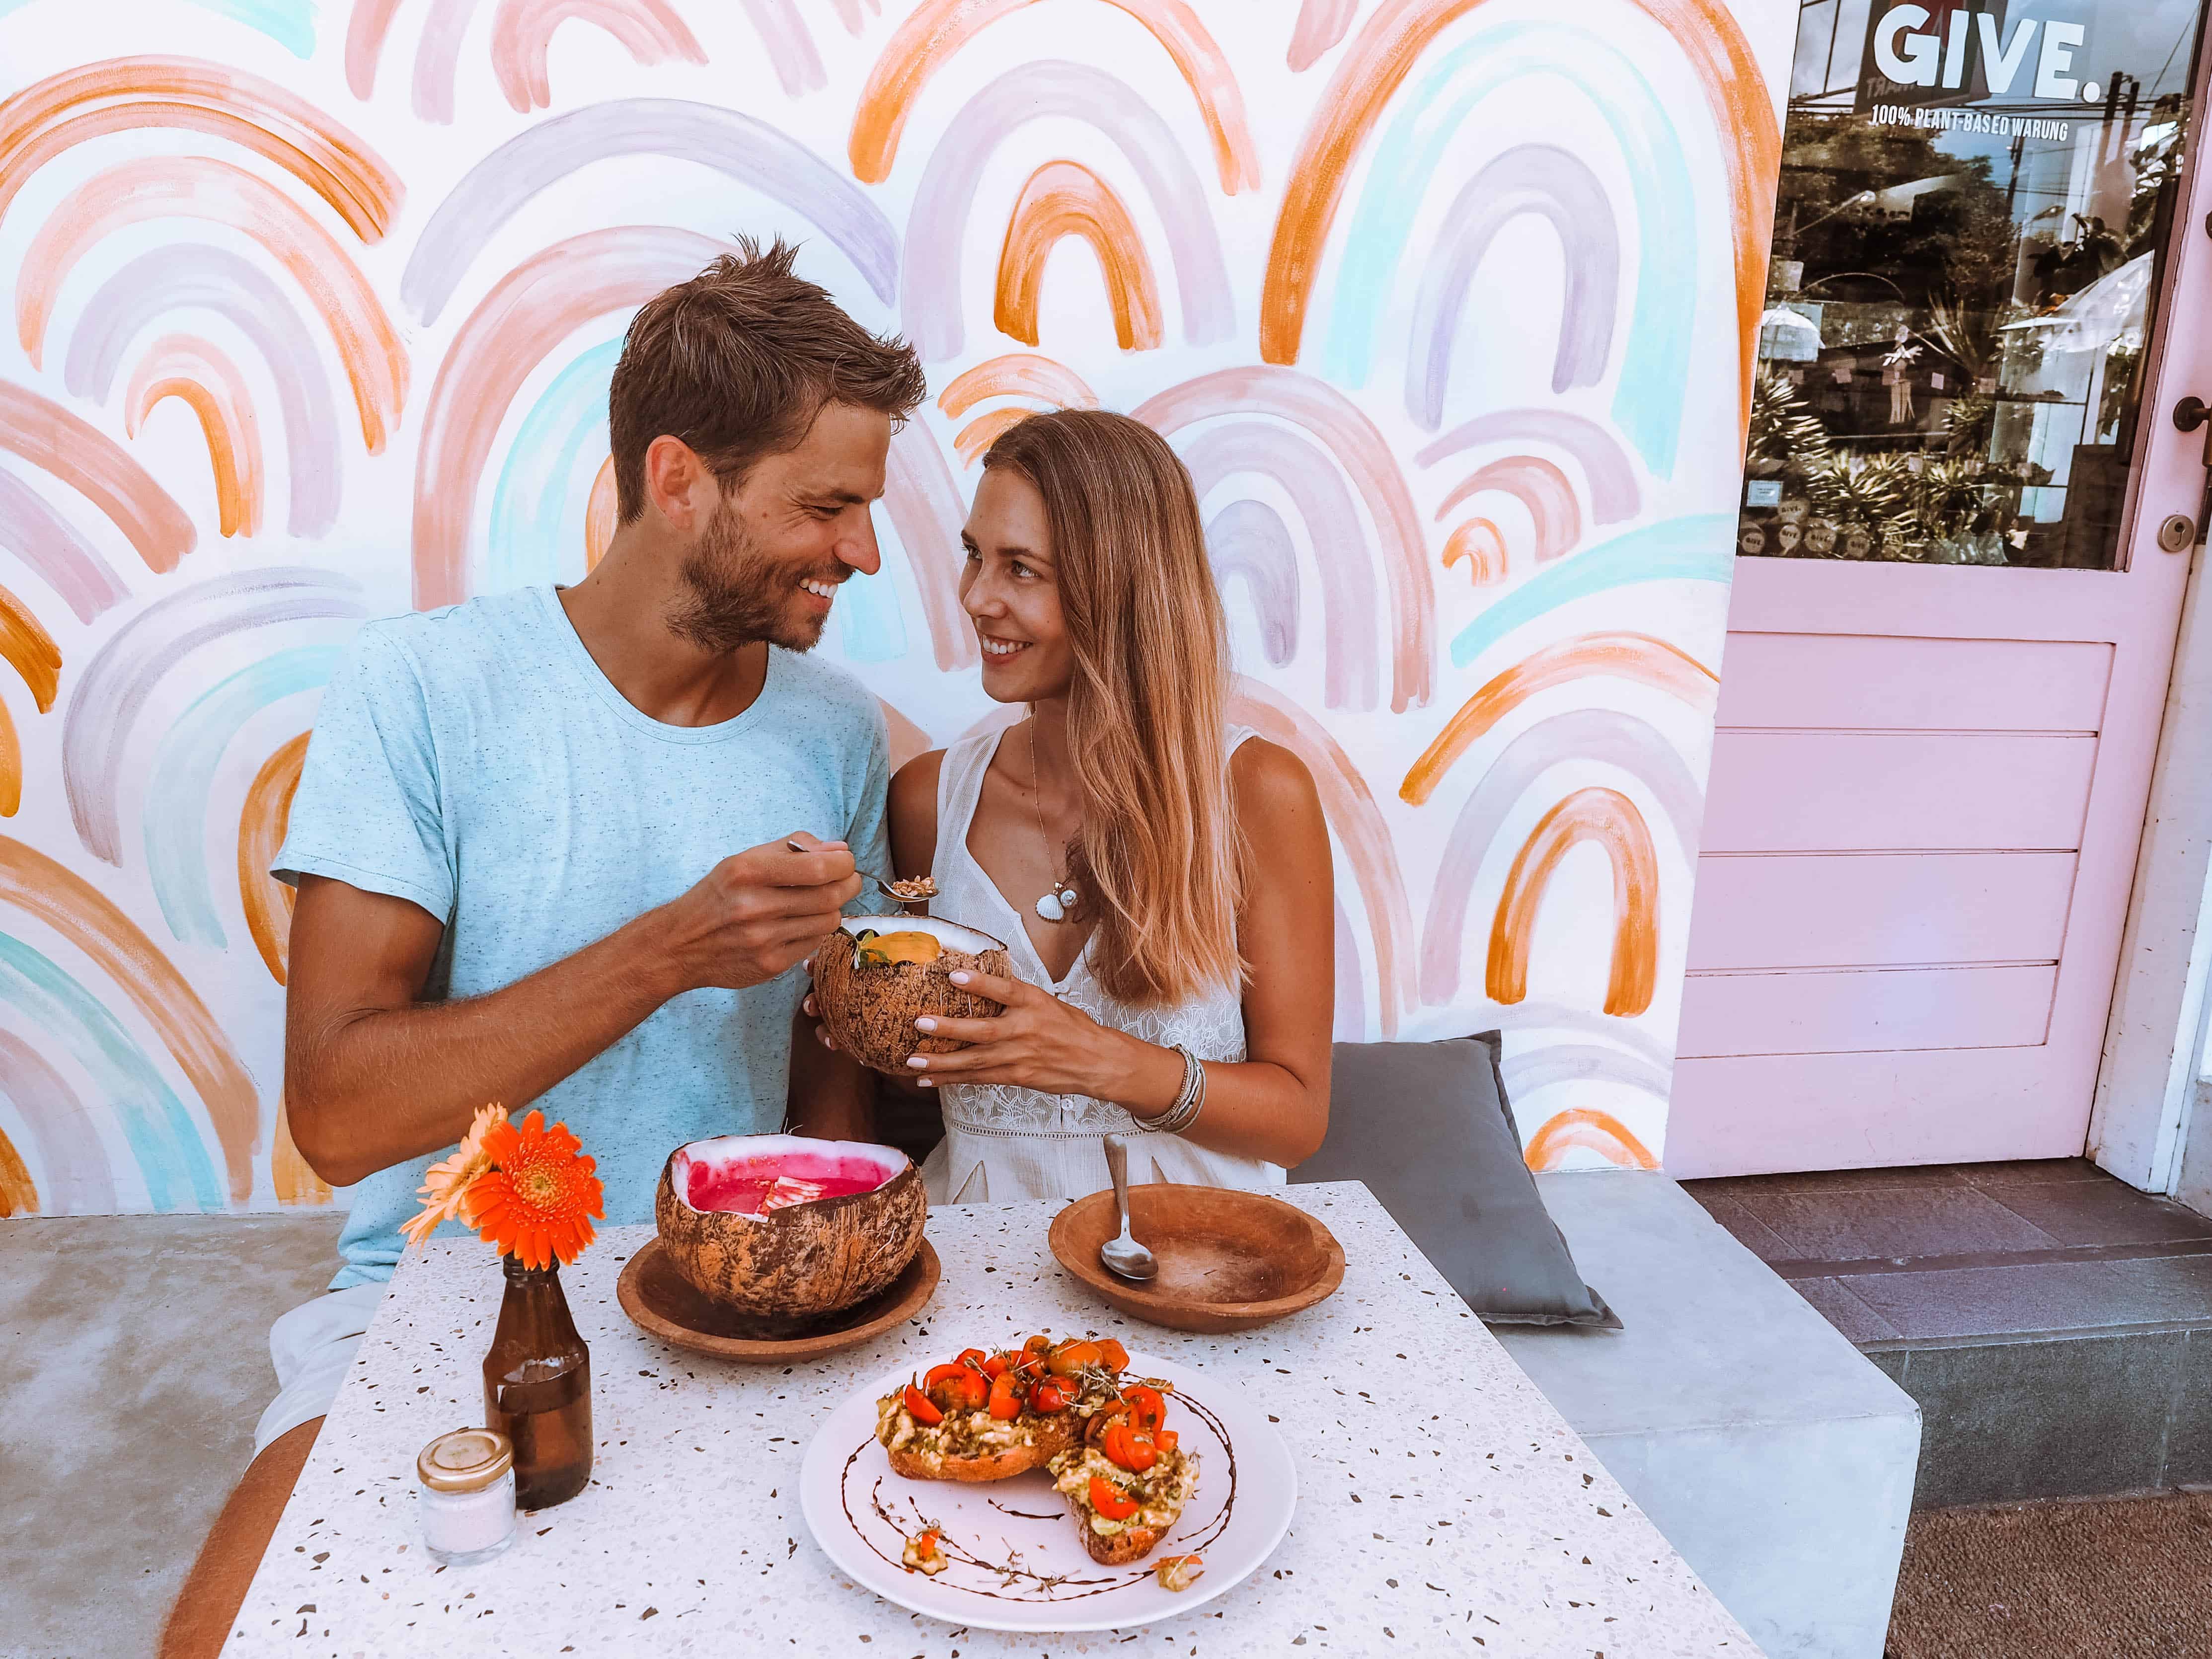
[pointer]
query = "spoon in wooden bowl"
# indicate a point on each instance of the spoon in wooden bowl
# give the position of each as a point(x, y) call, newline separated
point(1122, 1254)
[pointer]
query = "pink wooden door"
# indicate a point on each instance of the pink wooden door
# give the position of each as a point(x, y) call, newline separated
point(1928, 783)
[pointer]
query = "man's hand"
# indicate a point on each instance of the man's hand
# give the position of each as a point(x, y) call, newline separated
point(758, 912)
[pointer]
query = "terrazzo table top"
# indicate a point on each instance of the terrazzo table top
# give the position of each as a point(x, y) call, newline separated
point(1443, 1506)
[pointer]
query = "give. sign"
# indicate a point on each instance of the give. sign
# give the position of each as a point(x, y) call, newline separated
point(1912, 53)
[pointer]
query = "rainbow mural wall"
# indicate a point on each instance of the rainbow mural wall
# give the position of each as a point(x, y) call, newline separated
point(1448, 304)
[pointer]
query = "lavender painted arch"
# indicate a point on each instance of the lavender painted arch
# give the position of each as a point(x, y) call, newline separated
point(1317, 488)
point(182, 781)
point(217, 279)
point(1585, 1062)
point(1249, 542)
point(740, 148)
point(1602, 735)
point(1608, 473)
point(929, 286)
point(33, 529)
point(1359, 448)
point(1648, 399)
point(118, 681)
point(74, 1162)
point(1558, 186)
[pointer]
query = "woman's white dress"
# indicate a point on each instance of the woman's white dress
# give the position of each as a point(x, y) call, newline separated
point(1003, 1143)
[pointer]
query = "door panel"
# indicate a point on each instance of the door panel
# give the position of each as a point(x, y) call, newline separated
point(1815, 681)
point(1897, 791)
point(1821, 910)
point(1873, 1011)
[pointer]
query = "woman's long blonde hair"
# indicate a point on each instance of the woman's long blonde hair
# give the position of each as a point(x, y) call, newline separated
point(1158, 854)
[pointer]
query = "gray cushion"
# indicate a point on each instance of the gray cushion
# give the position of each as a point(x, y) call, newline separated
point(1427, 1127)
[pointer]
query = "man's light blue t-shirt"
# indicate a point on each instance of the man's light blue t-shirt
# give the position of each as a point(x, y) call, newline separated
point(475, 761)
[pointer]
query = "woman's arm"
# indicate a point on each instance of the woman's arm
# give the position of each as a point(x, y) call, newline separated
point(1274, 1105)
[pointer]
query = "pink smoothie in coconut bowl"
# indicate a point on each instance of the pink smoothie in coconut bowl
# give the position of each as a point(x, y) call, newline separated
point(775, 1176)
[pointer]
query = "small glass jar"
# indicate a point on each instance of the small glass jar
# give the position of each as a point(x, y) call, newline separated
point(466, 1493)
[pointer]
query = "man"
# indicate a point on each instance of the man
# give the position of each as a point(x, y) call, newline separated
point(516, 839)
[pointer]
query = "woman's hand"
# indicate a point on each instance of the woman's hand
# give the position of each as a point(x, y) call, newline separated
point(1043, 1043)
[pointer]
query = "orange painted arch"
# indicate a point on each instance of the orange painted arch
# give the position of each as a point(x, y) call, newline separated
point(11, 766)
point(261, 822)
point(18, 1195)
point(1598, 1131)
point(979, 434)
point(291, 1175)
point(1636, 657)
point(192, 370)
point(602, 515)
point(1018, 374)
point(89, 920)
point(56, 440)
point(1609, 818)
point(1482, 545)
point(1377, 63)
point(198, 186)
point(1066, 198)
point(937, 29)
point(124, 94)
point(27, 648)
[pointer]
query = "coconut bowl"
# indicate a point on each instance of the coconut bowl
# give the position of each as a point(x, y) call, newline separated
point(869, 1007)
point(785, 1229)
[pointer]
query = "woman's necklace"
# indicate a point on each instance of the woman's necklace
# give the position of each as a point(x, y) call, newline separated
point(1060, 904)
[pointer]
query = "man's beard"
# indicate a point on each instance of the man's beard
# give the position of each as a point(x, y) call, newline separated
point(734, 594)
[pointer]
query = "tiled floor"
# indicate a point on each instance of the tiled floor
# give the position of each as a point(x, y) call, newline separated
point(2055, 1324)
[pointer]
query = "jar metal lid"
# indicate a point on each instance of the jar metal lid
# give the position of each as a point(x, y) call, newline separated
point(467, 1460)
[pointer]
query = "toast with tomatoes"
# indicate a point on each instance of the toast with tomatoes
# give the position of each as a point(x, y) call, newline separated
point(1126, 1484)
point(990, 1417)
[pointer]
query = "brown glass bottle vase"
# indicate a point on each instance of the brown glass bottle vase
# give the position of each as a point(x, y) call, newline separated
point(537, 1387)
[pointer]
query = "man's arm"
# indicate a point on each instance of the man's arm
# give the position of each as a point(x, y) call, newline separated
point(373, 1078)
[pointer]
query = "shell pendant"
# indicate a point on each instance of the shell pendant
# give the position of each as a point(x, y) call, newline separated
point(1055, 905)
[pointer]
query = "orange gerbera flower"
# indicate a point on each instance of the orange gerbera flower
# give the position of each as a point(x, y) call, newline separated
point(537, 1201)
point(445, 1189)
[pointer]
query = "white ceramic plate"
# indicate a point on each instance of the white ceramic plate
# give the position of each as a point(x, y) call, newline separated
point(1017, 1562)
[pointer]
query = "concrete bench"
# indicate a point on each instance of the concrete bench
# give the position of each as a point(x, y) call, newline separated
point(1771, 1454)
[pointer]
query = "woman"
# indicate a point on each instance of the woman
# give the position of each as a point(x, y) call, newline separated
point(1162, 879)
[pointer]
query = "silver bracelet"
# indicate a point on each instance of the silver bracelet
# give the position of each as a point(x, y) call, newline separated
point(1189, 1102)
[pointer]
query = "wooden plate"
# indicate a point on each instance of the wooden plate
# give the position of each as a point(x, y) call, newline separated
point(662, 1303)
point(1229, 1259)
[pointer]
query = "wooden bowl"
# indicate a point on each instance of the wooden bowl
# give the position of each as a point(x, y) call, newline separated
point(1229, 1259)
point(661, 1303)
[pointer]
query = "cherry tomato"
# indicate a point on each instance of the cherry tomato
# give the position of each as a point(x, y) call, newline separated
point(1005, 1403)
point(1146, 1409)
point(959, 1388)
point(1112, 1356)
point(1094, 1432)
point(970, 1357)
point(1050, 1395)
point(1166, 1439)
point(1107, 1499)
point(1130, 1449)
point(1040, 1343)
point(1072, 1358)
point(998, 1366)
point(925, 1411)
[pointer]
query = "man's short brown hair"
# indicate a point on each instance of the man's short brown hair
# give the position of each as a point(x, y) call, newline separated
point(738, 361)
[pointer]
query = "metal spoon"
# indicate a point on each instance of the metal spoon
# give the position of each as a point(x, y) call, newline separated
point(882, 886)
point(1122, 1254)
